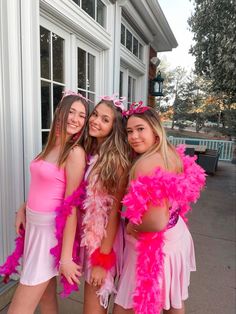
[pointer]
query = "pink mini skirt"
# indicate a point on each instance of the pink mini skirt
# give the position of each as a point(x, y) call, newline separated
point(179, 261)
point(38, 264)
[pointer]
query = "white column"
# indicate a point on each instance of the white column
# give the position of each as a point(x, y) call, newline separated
point(11, 139)
point(30, 44)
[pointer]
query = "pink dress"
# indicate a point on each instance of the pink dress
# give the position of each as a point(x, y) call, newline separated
point(157, 266)
point(179, 261)
point(47, 189)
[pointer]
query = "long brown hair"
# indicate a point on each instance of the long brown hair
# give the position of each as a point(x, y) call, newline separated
point(113, 154)
point(59, 126)
point(162, 146)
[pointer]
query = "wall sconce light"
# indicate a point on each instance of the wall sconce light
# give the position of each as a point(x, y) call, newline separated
point(157, 85)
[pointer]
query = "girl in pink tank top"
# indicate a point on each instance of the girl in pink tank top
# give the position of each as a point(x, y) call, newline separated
point(56, 174)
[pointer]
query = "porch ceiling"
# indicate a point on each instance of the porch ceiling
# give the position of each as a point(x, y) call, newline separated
point(151, 14)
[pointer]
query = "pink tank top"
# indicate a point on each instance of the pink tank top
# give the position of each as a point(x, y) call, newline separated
point(47, 186)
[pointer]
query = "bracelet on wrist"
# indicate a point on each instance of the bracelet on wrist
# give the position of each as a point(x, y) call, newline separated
point(67, 261)
point(106, 261)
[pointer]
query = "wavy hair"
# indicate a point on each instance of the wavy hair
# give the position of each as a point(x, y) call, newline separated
point(113, 154)
point(59, 126)
point(162, 146)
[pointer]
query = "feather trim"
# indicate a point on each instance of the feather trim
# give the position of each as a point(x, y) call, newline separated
point(97, 207)
point(13, 260)
point(106, 261)
point(62, 213)
point(180, 190)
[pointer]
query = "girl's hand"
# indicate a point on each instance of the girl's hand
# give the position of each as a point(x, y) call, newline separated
point(98, 276)
point(20, 219)
point(71, 271)
point(130, 229)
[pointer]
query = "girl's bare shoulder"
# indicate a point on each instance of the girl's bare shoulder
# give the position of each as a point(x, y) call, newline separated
point(147, 165)
point(77, 154)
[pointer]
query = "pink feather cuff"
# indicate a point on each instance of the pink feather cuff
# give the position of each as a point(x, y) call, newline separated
point(107, 261)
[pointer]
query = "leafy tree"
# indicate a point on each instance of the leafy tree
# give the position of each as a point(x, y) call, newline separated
point(214, 26)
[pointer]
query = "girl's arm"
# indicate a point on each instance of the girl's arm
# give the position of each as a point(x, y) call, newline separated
point(75, 167)
point(156, 217)
point(20, 218)
point(98, 273)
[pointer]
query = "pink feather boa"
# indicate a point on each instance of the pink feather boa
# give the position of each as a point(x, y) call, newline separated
point(63, 211)
point(97, 207)
point(12, 262)
point(180, 190)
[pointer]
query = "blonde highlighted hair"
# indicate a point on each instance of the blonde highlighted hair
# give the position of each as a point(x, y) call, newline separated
point(58, 129)
point(113, 161)
point(162, 145)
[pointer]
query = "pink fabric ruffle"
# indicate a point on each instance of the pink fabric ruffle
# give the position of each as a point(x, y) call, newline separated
point(180, 190)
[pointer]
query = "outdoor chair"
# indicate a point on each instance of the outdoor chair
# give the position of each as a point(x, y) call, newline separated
point(209, 160)
point(189, 151)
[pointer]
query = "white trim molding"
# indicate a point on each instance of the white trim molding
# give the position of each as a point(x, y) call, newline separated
point(11, 135)
point(150, 21)
point(72, 16)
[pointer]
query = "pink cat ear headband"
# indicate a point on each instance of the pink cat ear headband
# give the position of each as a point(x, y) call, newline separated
point(71, 93)
point(118, 102)
point(135, 108)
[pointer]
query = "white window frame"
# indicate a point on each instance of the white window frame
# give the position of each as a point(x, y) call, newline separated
point(139, 78)
point(99, 86)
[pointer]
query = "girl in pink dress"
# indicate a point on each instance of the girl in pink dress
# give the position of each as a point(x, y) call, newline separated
point(106, 182)
point(55, 174)
point(159, 252)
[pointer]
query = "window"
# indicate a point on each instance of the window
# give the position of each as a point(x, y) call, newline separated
point(86, 74)
point(94, 8)
point(131, 90)
point(131, 42)
point(52, 76)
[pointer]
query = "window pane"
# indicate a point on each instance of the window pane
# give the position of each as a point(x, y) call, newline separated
point(45, 52)
point(89, 7)
point(122, 35)
point(140, 52)
point(92, 98)
point(82, 92)
point(101, 13)
point(133, 90)
point(91, 72)
point(58, 58)
point(81, 68)
point(57, 94)
point(129, 89)
point(128, 40)
point(121, 84)
point(44, 137)
point(135, 46)
point(77, 2)
point(45, 105)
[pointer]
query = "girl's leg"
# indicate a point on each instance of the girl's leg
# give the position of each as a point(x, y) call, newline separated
point(48, 302)
point(26, 298)
point(91, 301)
point(120, 310)
point(175, 311)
